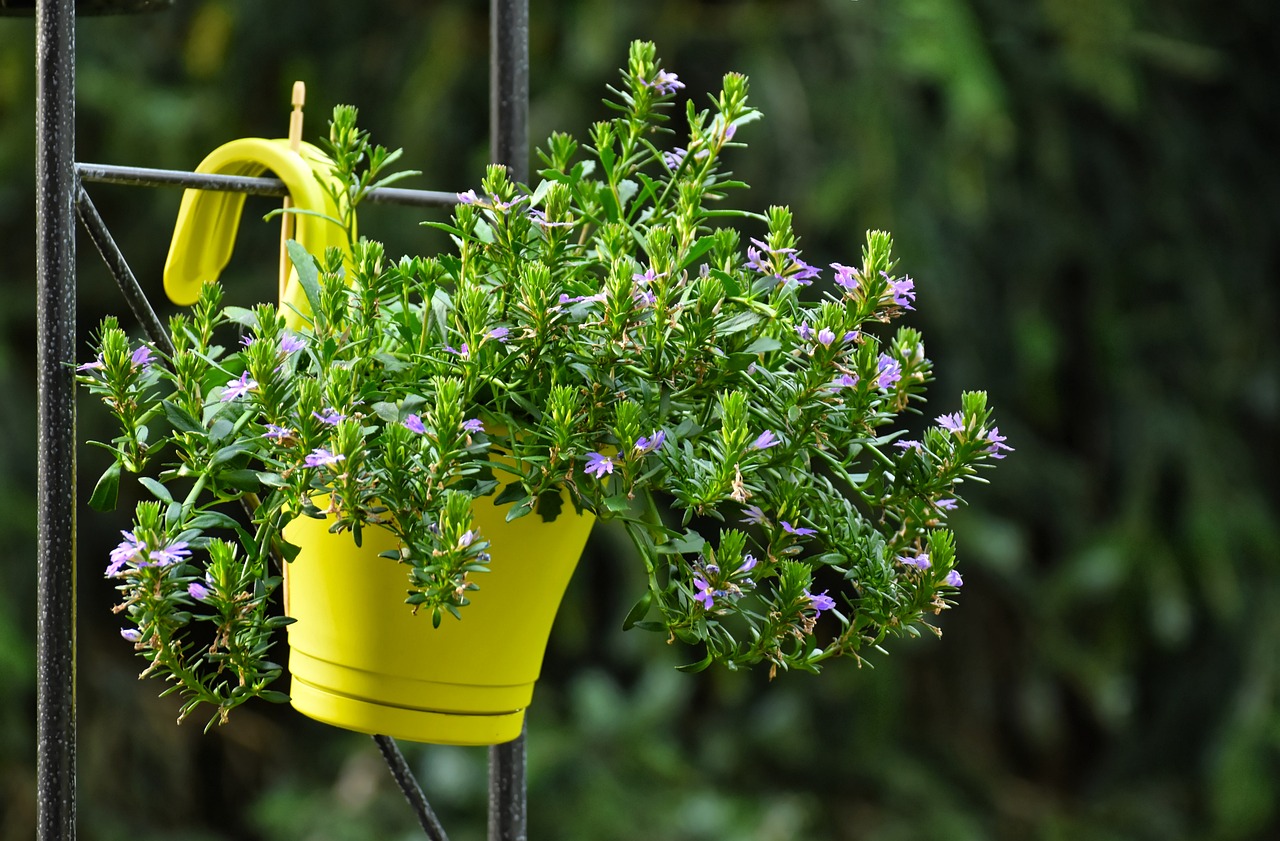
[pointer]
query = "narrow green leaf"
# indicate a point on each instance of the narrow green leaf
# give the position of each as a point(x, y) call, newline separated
point(107, 490)
point(308, 272)
point(638, 611)
point(180, 420)
point(158, 490)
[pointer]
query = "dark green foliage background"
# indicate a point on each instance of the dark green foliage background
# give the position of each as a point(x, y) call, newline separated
point(1088, 196)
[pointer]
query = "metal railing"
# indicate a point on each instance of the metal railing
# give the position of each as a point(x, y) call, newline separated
point(60, 199)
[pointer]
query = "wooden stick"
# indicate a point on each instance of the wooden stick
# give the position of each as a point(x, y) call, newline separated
point(287, 221)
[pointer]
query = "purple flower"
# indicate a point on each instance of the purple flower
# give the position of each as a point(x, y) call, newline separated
point(498, 334)
point(953, 579)
point(131, 634)
point(238, 388)
point(754, 515)
point(290, 343)
point(821, 601)
point(471, 427)
point(846, 277)
point(800, 272)
point(851, 336)
point(804, 331)
point(598, 465)
point(332, 417)
point(672, 160)
point(920, 561)
point(906, 443)
point(142, 357)
point(649, 444)
point(128, 550)
point(464, 353)
point(320, 457)
point(413, 423)
point(799, 531)
point(766, 440)
point(826, 337)
point(171, 554)
point(469, 197)
point(705, 595)
point(197, 591)
point(903, 291)
point(997, 443)
point(279, 434)
point(466, 539)
point(748, 563)
point(644, 297)
point(947, 504)
point(95, 365)
point(952, 422)
point(888, 371)
point(665, 83)
point(845, 381)
point(648, 277)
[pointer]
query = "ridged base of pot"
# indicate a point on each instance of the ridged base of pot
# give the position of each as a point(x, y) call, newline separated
point(414, 725)
point(363, 660)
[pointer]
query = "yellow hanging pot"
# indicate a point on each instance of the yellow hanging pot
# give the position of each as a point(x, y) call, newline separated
point(360, 658)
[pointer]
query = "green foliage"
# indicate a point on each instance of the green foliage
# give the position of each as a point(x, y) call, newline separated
point(1098, 182)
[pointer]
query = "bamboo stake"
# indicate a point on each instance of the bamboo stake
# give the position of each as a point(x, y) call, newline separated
point(287, 220)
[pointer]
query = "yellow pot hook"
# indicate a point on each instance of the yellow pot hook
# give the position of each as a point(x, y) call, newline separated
point(205, 233)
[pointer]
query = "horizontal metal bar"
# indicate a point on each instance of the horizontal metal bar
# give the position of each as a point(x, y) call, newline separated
point(137, 176)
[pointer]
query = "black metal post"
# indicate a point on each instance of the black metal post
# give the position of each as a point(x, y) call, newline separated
point(509, 144)
point(509, 86)
point(56, 435)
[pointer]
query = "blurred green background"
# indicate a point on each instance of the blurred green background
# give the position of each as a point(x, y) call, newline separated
point(1088, 196)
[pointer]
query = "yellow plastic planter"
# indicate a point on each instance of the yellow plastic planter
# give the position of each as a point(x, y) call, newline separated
point(361, 660)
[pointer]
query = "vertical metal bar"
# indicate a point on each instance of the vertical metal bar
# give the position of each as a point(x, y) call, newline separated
point(509, 144)
point(508, 792)
point(56, 435)
point(509, 85)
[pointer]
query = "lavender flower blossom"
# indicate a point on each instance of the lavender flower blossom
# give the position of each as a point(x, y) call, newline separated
point(846, 277)
point(903, 291)
point(330, 416)
point(95, 365)
point(498, 334)
point(888, 371)
point(197, 591)
point(705, 595)
point(821, 601)
point(826, 336)
point(171, 554)
point(952, 422)
point(278, 434)
point(953, 579)
point(142, 357)
point(754, 516)
point(238, 388)
point(129, 550)
point(804, 331)
point(469, 197)
point(920, 561)
point(766, 440)
point(798, 531)
point(947, 504)
point(648, 444)
point(131, 634)
point(844, 381)
point(290, 343)
point(598, 465)
point(413, 423)
point(665, 83)
point(320, 457)
point(473, 426)
point(997, 443)
point(749, 562)
point(906, 443)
